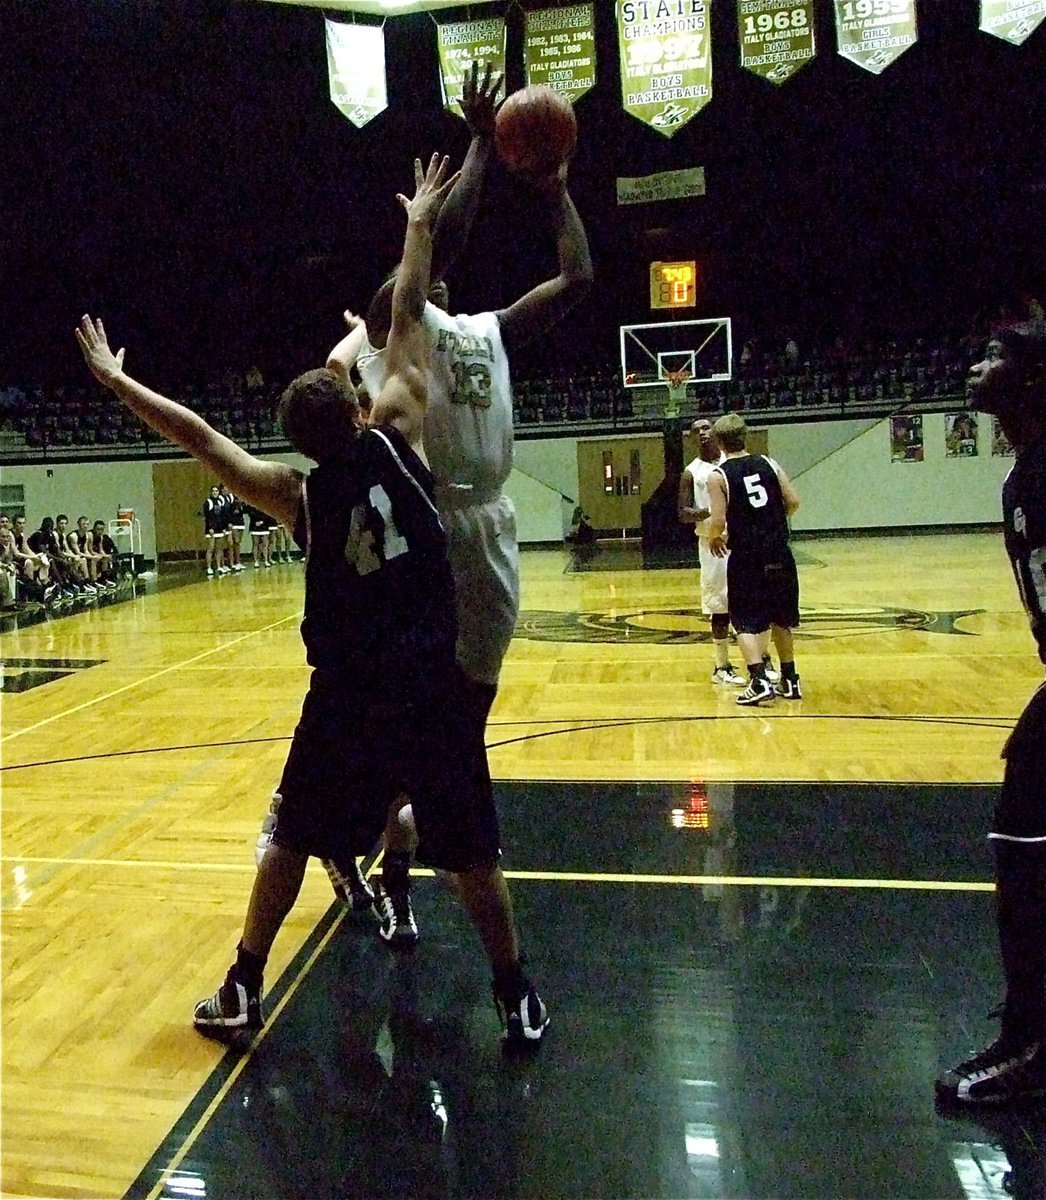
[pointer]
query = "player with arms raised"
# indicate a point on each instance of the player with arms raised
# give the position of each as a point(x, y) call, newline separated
point(379, 629)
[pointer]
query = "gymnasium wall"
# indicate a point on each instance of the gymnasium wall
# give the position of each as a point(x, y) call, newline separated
point(842, 470)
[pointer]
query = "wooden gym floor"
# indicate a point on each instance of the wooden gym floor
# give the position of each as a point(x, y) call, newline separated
point(760, 933)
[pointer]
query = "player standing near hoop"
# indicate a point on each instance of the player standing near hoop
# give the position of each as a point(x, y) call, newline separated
point(1010, 382)
point(751, 499)
point(694, 509)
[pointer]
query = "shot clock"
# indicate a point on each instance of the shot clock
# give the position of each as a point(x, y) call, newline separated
point(672, 284)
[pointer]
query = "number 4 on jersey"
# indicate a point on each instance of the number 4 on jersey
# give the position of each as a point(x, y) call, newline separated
point(359, 547)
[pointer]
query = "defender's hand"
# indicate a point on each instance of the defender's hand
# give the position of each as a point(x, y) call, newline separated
point(105, 366)
point(479, 100)
point(430, 190)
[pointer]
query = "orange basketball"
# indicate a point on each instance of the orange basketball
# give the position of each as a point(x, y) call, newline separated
point(536, 130)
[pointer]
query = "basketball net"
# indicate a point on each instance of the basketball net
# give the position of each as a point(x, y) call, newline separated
point(677, 381)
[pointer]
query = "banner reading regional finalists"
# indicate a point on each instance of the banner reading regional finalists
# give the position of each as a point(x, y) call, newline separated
point(666, 60)
point(559, 49)
point(875, 33)
point(1014, 20)
point(356, 67)
point(777, 36)
point(460, 44)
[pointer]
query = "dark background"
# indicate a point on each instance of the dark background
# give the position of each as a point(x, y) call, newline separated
point(177, 167)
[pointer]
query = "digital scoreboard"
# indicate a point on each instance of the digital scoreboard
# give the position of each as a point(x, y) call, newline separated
point(673, 284)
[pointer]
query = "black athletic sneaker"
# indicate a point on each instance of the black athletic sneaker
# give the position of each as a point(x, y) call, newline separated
point(788, 689)
point(524, 1017)
point(1004, 1072)
point(349, 884)
point(396, 915)
point(233, 1006)
point(759, 691)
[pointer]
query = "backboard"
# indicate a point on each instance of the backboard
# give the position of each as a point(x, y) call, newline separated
point(649, 353)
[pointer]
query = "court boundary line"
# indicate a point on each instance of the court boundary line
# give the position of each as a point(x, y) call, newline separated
point(127, 687)
point(587, 725)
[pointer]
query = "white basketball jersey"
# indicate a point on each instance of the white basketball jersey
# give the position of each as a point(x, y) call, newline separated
point(468, 422)
point(699, 473)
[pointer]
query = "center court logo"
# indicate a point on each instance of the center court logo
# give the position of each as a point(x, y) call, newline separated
point(662, 626)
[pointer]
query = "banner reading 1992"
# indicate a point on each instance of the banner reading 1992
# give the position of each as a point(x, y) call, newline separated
point(875, 33)
point(1014, 20)
point(460, 44)
point(666, 60)
point(777, 36)
point(559, 49)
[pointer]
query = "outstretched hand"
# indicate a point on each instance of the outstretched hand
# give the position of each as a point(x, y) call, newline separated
point(105, 366)
point(431, 188)
point(479, 102)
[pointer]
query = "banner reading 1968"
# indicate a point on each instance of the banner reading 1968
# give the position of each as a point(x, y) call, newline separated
point(559, 49)
point(875, 33)
point(1014, 20)
point(777, 36)
point(460, 44)
point(666, 60)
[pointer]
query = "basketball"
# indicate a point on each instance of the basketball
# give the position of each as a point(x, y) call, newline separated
point(536, 130)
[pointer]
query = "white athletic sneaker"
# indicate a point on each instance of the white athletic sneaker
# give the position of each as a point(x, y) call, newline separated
point(771, 672)
point(727, 676)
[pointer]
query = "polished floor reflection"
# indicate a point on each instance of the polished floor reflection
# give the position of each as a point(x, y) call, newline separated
point(751, 987)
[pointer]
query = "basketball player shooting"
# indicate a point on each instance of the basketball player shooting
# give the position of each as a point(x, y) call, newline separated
point(379, 631)
point(468, 436)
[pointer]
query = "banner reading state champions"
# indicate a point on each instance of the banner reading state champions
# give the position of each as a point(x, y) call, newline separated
point(559, 49)
point(461, 43)
point(777, 36)
point(666, 60)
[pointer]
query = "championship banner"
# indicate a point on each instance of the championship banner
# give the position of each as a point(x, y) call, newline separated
point(356, 67)
point(777, 36)
point(461, 43)
point(559, 49)
point(666, 60)
point(1013, 20)
point(875, 33)
point(668, 185)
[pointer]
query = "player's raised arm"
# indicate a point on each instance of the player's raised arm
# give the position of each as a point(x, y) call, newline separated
point(401, 401)
point(273, 487)
point(546, 304)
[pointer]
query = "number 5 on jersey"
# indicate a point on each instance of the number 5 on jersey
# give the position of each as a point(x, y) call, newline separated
point(757, 494)
point(359, 547)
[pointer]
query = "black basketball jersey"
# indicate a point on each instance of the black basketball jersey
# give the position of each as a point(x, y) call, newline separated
point(379, 595)
point(756, 521)
point(1024, 532)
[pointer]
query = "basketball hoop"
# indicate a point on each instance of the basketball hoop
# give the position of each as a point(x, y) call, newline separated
point(677, 381)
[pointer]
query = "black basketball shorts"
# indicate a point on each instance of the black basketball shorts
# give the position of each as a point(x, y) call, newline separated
point(762, 594)
point(351, 756)
point(1020, 814)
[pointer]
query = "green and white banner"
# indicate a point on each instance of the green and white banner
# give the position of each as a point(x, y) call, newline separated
point(666, 60)
point(875, 33)
point(356, 67)
point(559, 49)
point(667, 185)
point(777, 36)
point(461, 43)
point(1013, 20)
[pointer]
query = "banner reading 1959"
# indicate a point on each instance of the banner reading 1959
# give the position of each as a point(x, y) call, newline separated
point(1014, 20)
point(460, 44)
point(777, 36)
point(666, 60)
point(875, 33)
point(559, 49)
